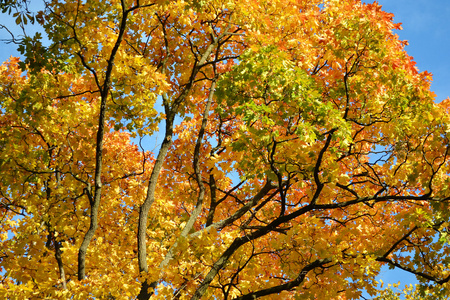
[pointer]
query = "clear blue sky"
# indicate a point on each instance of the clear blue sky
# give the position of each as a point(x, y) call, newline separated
point(426, 26)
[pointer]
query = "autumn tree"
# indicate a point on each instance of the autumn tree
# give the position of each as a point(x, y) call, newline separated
point(300, 150)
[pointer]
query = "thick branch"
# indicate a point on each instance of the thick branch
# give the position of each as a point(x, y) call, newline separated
point(287, 286)
point(171, 111)
point(317, 180)
point(412, 271)
point(198, 176)
point(239, 213)
point(99, 149)
point(58, 257)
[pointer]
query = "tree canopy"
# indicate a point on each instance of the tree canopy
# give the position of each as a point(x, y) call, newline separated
point(300, 150)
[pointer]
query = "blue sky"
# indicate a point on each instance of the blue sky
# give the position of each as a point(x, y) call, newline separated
point(426, 26)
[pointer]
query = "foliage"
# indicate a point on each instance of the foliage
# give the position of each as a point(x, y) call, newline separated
point(410, 292)
point(301, 151)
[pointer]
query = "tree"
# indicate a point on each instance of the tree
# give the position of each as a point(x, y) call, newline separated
point(302, 150)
